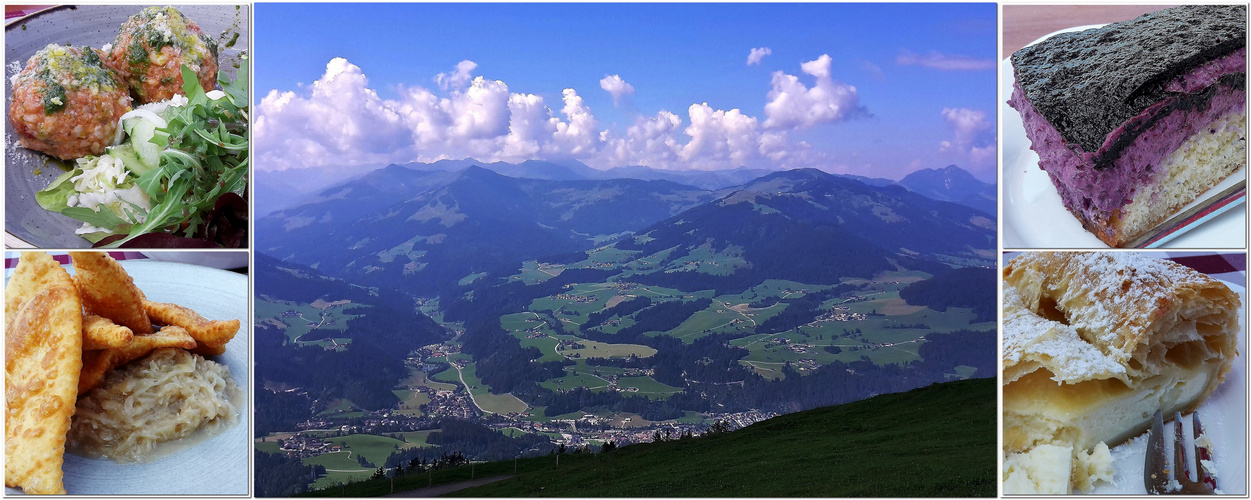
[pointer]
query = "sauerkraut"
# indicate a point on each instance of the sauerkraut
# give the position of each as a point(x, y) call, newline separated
point(170, 395)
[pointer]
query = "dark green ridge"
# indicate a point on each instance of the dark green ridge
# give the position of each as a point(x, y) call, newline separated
point(1087, 83)
point(935, 441)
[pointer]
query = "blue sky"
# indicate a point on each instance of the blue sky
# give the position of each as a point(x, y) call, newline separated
point(873, 89)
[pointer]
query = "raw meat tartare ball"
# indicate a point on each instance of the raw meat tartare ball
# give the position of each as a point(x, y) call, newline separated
point(151, 48)
point(66, 102)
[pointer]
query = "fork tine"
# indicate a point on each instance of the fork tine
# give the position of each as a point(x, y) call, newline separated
point(1203, 484)
point(1155, 473)
point(1181, 467)
point(1202, 452)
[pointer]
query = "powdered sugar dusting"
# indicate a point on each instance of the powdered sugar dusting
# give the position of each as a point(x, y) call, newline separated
point(1028, 337)
point(1112, 299)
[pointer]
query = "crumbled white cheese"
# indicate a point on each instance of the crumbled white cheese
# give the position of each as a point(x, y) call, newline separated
point(1209, 467)
point(1044, 470)
point(1203, 441)
point(1093, 467)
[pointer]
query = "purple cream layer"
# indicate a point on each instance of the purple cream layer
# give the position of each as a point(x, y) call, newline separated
point(1208, 73)
point(1095, 194)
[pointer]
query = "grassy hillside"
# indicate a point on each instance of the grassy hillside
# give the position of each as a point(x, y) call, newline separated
point(937, 441)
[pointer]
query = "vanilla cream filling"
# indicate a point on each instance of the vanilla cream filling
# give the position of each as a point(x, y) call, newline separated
point(1037, 410)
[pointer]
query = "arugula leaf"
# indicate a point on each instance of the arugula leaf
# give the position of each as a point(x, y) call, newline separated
point(206, 157)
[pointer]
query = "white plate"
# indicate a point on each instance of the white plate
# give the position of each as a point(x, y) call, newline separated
point(226, 259)
point(1035, 217)
point(1224, 417)
point(217, 466)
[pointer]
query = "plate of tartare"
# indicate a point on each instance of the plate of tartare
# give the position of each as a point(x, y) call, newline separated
point(27, 224)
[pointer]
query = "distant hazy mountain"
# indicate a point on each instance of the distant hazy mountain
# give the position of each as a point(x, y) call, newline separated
point(428, 228)
point(576, 170)
point(279, 189)
point(810, 226)
point(955, 185)
point(529, 169)
point(872, 181)
point(705, 179)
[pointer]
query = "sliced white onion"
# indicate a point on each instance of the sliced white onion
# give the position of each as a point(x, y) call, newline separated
point(121, 130)
point(146, 114)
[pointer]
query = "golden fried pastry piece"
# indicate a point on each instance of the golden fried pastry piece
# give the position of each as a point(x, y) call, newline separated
point(97, 364)
point(1096, 342)
point(167, 336)
point(210, 336)
point(35, 271)
point(108, 291)
point(100, 332)
point(43, 357)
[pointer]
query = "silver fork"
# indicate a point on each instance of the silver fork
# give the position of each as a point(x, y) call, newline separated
point(1156, 470)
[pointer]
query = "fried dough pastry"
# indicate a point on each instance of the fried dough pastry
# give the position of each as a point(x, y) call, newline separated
point(35, 271)
point(108, 291)
point(98, 364)
point(210, 336)
point(43, 357)
point(1096, 342)
point(102, 333)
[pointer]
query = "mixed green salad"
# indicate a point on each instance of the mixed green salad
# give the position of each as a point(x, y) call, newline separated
point(176, 176)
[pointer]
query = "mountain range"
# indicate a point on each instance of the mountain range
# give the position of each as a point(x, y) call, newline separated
point(427, 229)
point(291, 188)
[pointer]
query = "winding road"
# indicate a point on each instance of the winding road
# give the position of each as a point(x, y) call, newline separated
point(461, 376)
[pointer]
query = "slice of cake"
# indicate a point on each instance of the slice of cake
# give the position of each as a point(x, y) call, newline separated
point(1094, 343)
point(1136, 119)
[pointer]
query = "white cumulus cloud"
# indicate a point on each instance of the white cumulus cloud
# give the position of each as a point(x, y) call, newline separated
point(341, 120)
point(457, 78)
point(720, 137)
point(973, 140)
point(580, 134)
point(758, 54)
point(616, 86)
point(793, 105)
point(651, 141)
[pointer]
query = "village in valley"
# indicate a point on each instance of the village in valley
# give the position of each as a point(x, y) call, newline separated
point(868, 322)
